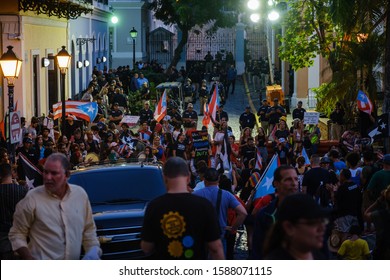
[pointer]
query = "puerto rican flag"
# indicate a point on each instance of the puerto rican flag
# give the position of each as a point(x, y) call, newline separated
point(364, 103)
point(265, 186)
point(210, 109)
point(83, 110)
point(161, 109)
point(305, 156)
point(259, 159)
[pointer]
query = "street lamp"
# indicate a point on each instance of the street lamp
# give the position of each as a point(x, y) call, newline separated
point(10, 64)
point(63, 59)
point(133, 35)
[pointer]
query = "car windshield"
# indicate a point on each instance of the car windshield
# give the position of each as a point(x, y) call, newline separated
point(121, 185)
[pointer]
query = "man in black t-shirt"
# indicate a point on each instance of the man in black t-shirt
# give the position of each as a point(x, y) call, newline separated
point(316, 179)
point(189, 116)
point(179, 225)
point(299, 112)
point(146, 114)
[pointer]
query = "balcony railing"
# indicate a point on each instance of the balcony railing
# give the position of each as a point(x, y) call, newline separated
point(69, 9)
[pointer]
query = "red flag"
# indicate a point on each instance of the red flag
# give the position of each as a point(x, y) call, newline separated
point(211, 108)
point(161, 109)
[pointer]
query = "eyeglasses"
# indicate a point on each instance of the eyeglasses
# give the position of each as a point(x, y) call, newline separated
point(314, 222)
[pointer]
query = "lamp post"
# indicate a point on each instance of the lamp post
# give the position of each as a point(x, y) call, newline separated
point(63, 59)
point(10, 65)
point(133, 35)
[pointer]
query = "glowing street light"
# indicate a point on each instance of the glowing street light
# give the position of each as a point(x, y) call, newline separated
point(253, 4)
point(255, 18)
point(273, 15)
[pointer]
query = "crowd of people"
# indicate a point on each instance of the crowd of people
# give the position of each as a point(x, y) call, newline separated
point(343, 193)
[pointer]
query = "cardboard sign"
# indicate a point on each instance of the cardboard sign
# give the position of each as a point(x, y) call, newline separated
point(311, 117)
point(201, 145)
point(130, 120)
point(16, 132)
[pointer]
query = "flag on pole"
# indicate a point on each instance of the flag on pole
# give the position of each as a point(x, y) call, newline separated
point(211, 108)
point(161, 109)
point(265, 186)
point(259, 160)
point(382, 128)
point(364, 103)
point(225, 152)
point(305, 156)
point(33, 175)
point(83, 110)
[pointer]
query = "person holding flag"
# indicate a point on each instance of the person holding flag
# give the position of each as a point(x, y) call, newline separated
point(285, 181)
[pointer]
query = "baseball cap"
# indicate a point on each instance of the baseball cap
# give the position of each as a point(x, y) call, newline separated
point(325, 160)
point(247, 107)
point(264, 100)
point(386, 159)
point(211, 175)
point(27, 140)
point(276, 99)
point(116, 104)
point(300, 206)
point(190, 105)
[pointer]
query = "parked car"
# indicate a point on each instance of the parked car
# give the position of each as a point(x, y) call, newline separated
point(119, 195)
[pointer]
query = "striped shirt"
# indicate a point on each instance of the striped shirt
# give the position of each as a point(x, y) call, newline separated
point(10, 195)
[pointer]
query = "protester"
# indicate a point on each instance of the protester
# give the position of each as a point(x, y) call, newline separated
point(196, 224)
point(10, 194)
point(221, 200)
point(43, 230)
point(298, 233)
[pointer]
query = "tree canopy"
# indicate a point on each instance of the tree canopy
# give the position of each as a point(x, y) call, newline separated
point(187, 14)
point(348, 33)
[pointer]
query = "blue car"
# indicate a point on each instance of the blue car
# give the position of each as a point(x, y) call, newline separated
point(119, 195)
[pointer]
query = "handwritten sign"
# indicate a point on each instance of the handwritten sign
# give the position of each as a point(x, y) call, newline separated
point(130, 120)
point(311, 117)
point(201, 145)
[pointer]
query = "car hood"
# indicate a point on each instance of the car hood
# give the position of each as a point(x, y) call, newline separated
point(118, 215)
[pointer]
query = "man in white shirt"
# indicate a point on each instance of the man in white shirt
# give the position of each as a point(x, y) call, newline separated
point(56, 218)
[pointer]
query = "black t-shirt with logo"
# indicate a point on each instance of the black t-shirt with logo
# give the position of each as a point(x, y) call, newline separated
point(180, 226)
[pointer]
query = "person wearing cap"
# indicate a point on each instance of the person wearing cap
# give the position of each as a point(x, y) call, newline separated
point(298, 233)
point(262, 114)
point(299, 112)
point(285, 182)
point(274, 113)
point(189, 116)
point(221, 200)
point(29, 152)
point(380, 180)
point(195, 234)
point(247, 119)
point(115, 114)
point(146, 114)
